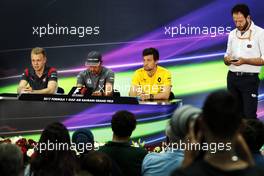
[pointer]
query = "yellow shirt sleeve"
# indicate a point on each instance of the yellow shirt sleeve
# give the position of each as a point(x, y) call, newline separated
point(167, 78)
point(135, 79)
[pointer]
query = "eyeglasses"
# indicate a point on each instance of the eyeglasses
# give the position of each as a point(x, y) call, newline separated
point(244, 38)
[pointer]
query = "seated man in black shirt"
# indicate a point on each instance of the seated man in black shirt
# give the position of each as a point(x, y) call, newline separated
point(38, 79)
point(97, 78)
point(226, 153)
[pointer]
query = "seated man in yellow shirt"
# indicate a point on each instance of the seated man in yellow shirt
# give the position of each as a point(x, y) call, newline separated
point(152, 82)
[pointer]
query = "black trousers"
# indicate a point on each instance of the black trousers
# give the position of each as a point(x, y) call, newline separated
point(245, 88)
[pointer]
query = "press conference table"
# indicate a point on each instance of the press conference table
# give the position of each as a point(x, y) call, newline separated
point(29, 113)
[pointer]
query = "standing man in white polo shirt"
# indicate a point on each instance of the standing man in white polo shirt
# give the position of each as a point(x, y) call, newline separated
point(244, 56)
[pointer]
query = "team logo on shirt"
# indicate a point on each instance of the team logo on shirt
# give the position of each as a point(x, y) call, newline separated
point(89, 81)
point(249, 46)
point(44, 80)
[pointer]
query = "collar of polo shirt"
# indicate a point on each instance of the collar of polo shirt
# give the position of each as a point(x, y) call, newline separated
point(248, 32)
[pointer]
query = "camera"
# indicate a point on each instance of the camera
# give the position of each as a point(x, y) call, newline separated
point(181, 119)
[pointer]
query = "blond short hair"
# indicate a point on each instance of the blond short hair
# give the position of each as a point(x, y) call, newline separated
point(38, 50)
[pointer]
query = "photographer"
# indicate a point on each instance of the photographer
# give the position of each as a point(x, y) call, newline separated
point(156, 164)
point(219, 123)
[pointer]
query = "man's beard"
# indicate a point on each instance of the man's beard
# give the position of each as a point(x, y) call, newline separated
point(245, 26)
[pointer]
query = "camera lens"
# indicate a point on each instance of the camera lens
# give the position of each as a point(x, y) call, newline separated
point(181, 118)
